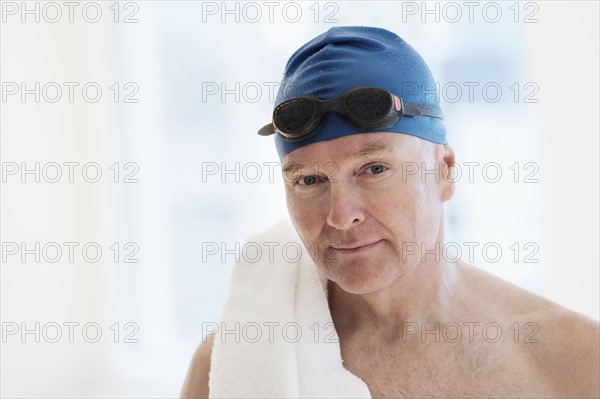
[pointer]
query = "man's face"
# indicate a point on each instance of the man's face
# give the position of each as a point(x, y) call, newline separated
point(360, 201)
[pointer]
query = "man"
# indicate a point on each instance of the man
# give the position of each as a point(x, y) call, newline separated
point(348, 122)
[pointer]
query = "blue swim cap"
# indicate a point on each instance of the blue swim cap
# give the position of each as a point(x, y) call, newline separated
point(345, 58)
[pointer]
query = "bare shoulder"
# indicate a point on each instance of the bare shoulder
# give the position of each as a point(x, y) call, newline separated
point(569, 352)
point(499, 295)
point(565, 346)
point(196, 382)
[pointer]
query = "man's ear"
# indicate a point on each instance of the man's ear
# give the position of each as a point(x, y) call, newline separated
point(448, 170)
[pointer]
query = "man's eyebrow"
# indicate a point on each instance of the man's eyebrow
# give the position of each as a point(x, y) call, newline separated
point(369, 149)
point(292, 168)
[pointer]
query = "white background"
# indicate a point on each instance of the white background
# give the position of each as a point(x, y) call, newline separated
point(177, 129)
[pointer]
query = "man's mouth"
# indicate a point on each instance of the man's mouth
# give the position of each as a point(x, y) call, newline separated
point(354, 248)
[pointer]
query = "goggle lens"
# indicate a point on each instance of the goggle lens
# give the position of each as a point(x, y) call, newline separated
point(294, 116)
point(368, 105)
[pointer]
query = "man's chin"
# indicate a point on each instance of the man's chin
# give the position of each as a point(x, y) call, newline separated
point(358, 280)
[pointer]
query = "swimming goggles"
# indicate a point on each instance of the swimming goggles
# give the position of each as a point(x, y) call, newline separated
point(363, 108)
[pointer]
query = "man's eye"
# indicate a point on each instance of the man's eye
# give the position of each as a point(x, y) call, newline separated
point(376, 169)
point(308, 180)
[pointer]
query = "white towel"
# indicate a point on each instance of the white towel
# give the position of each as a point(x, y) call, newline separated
point(285, 290)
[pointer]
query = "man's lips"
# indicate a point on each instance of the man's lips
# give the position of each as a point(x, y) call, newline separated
point(355, 248)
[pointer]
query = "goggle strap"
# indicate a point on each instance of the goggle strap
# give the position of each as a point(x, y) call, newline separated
point(415, 110)
point(267, 130)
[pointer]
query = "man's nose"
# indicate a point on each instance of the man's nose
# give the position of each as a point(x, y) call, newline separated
point(345, 207)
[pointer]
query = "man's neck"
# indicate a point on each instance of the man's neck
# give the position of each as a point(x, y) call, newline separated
point(423, 295)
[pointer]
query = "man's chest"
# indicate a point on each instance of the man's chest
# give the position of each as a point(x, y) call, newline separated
point(443, 371)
